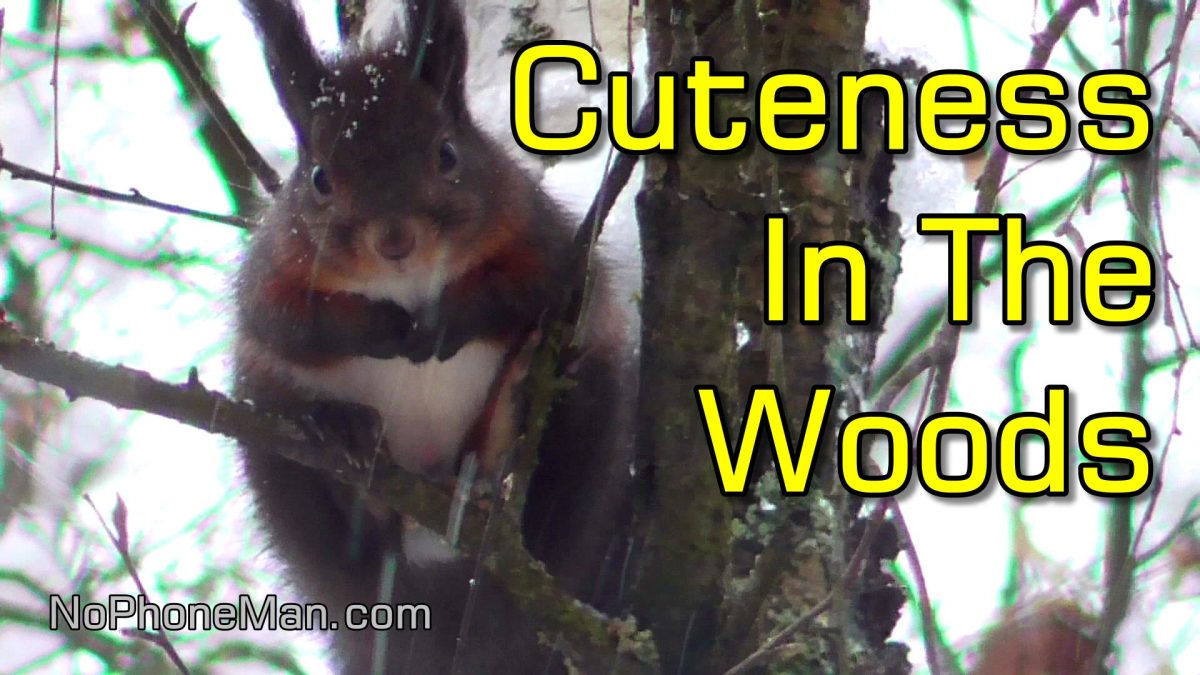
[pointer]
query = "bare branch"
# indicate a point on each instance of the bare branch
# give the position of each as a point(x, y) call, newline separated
point(1183, 19)
point(1186, 129)
point(601, 643)
point(930, 635)
point(944, 350)
point(1043, 45)
point(176, 47)
point(21, 172)
point(54, 88)
point(120, 541)
point(1188, 520)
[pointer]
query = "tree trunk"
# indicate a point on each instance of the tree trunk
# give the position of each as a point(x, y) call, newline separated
point(722, 574)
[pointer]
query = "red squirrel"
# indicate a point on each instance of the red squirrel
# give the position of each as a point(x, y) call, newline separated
point(394, 287)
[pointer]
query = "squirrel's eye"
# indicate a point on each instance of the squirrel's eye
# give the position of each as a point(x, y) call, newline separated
point(447, 157)
point(321, 182)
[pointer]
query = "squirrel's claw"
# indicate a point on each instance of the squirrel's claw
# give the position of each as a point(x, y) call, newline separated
point(357, 428)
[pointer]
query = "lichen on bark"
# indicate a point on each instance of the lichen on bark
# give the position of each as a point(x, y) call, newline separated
point(721, 574)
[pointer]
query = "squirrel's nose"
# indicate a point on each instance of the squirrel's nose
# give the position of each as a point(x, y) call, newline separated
point(396, 243)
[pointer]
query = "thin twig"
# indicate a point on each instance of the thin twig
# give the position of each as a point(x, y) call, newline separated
point(54, 88)
point(21, 172)
point(1139, 186)
point(944, 349)
point(847, 580)
point(120, 541)
point(629, 33)
point(1039, 56)
point(1123, 40)
point(616, 176)
point(171, 37)
point(1188, 520)
point(904, 377)
point(1183, 18)
point(468, 615)
point(1186, 129)
point(592, 26)
point(928, 626)
point(1017, 174)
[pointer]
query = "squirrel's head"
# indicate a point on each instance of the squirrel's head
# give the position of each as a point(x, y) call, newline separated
point(393, 177)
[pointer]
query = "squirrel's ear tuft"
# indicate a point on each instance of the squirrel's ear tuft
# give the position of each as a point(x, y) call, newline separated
point(296, 68)
point(437, 42)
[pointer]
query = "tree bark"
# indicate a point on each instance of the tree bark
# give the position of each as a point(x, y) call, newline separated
point(711, 588)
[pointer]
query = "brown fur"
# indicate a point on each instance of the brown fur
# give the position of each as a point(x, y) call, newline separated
point(316, 291)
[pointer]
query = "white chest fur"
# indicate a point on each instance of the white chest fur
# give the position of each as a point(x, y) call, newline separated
point(427, 408)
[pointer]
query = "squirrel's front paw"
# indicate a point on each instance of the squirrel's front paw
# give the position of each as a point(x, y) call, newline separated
point(422, 344)
point(395, 333)
point(392, 332)
point(357, 428)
